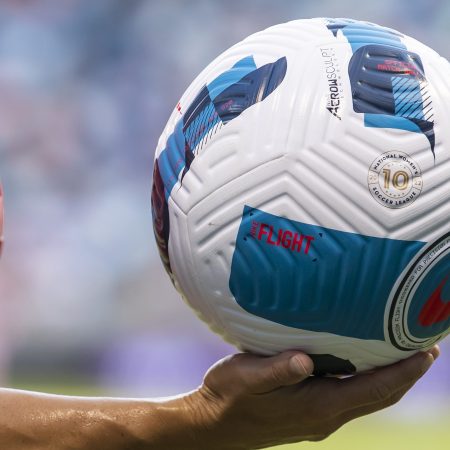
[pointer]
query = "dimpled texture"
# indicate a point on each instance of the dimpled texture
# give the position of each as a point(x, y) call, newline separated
point(283, 152)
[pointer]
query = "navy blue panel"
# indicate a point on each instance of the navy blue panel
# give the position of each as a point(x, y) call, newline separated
point(200, 102)
point(197, 123)
point(388, 82)
point(251, 89)
point(371, 85)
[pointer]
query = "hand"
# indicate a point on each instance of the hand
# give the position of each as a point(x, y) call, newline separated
point(250, 402)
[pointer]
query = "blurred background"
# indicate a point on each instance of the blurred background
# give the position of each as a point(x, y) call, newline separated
point(86, 88)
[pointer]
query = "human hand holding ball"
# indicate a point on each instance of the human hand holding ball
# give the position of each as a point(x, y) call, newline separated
point(267, 258)
point(245, 402)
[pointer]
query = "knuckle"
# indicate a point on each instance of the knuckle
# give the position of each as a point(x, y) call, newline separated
point(278, 374)
point(224, 377)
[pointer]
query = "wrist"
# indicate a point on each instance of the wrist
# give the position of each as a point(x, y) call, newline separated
point(180, 423)
point(208, 418)
point(196, 421)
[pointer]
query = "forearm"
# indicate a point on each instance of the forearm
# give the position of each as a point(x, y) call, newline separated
point(49, 422)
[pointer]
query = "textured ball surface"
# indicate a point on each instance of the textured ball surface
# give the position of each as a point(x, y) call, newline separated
point(301, 194)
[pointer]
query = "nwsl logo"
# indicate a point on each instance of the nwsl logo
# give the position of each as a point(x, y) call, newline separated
point(388, 82)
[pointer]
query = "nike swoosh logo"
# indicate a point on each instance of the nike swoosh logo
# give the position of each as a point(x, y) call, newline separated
point(435, 309)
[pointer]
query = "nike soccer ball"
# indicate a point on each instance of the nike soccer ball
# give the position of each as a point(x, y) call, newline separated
point(301, 194)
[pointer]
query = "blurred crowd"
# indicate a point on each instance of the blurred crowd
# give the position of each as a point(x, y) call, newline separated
point(85, 90)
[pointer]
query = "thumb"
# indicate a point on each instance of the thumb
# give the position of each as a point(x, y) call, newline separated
point(252, 374)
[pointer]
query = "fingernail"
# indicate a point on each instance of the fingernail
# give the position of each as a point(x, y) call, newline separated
point(427, 362)
point(296, 365)
point(435, 352)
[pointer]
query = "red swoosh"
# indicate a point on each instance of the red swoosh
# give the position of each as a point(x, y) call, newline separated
point(435, 309)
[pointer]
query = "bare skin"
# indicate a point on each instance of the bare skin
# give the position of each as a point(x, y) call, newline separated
point(245, 402)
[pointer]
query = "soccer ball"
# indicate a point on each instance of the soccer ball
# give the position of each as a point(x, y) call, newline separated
point(301, 194)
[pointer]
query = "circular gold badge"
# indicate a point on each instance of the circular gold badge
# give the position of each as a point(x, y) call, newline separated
point(395, 180)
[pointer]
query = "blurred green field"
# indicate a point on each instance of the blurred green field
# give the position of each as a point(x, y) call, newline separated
point(376, 433)
point(368, 433)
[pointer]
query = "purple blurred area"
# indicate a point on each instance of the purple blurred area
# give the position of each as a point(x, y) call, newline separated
point(86, 88)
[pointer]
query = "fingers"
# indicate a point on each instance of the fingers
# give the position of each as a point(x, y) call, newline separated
point(285, 369)
point(365, 394)
point(251, 374)
point(365, 410)
point(435, 351)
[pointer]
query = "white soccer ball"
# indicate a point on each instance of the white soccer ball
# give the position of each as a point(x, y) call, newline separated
point(301, 194)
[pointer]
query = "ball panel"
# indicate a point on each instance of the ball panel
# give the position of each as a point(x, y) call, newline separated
point(324, 126)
